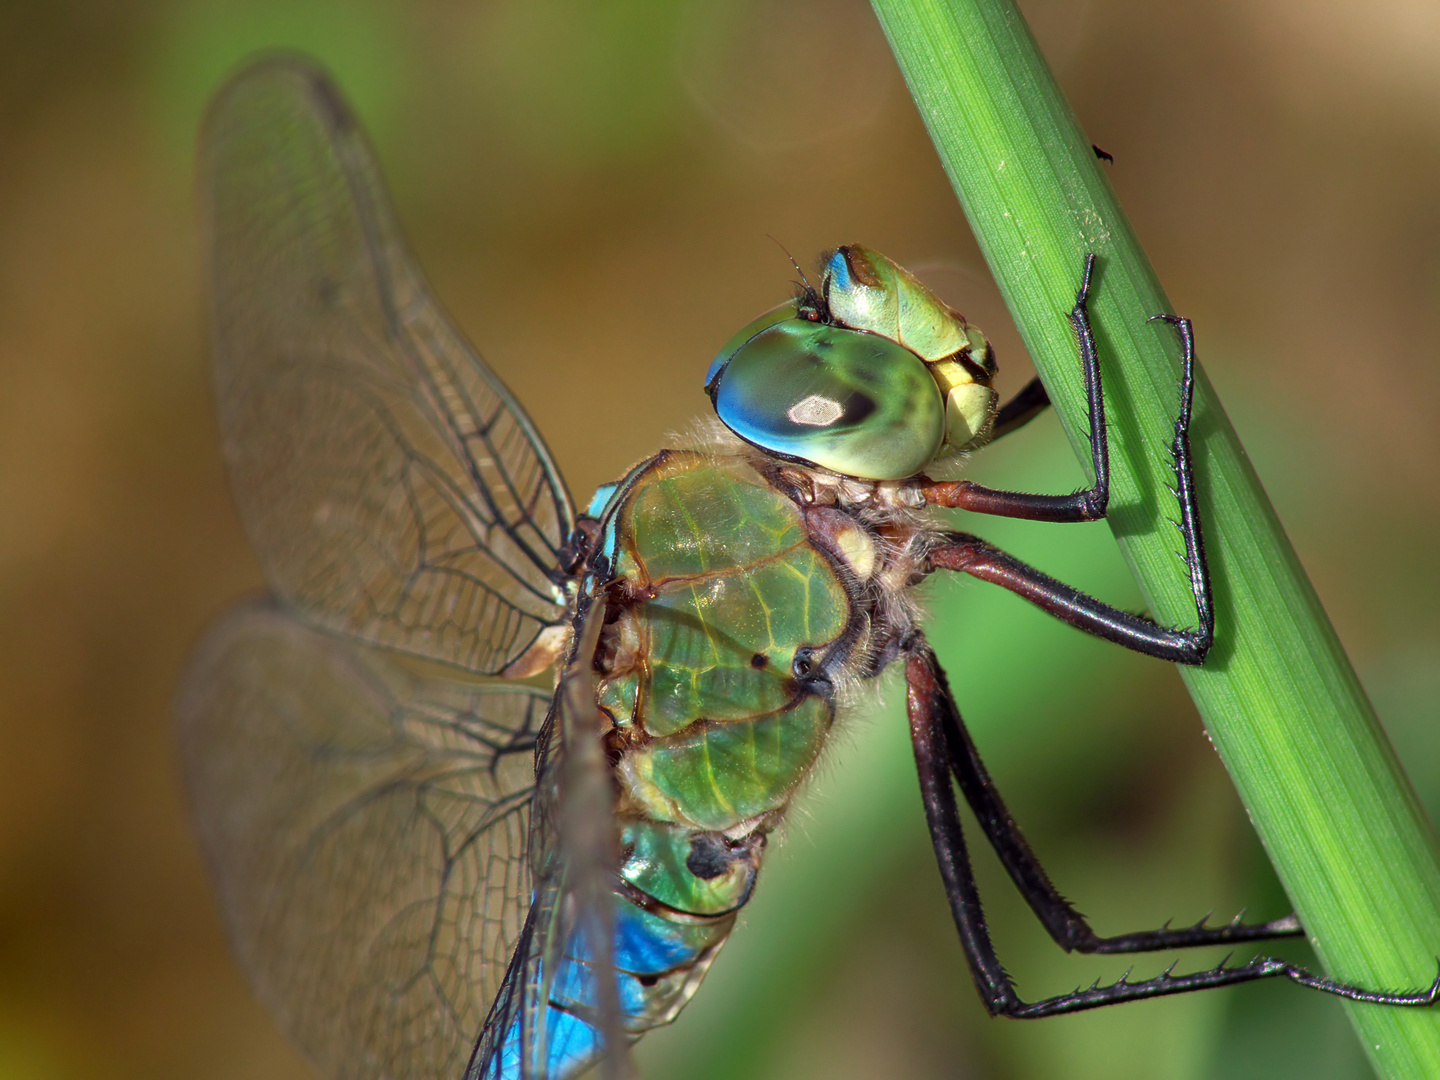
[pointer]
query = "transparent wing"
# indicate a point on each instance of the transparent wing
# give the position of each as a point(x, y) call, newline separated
point(575, 861)
point(366, 829)
point(391, 486)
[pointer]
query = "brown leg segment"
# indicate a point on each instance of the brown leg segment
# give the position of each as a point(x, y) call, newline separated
point(970, 555)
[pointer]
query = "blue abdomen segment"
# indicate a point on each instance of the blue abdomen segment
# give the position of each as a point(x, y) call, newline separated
point(682, 889)
point(658, 964)
point(572, 1046)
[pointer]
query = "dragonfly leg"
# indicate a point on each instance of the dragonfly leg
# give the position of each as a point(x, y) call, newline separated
point(969, 554)
point(1060, 919)
point(927, 697)
point(941, 749)
point(973, 556)
point(1088, 504)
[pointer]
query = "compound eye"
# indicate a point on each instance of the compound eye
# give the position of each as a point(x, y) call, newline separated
point(788, 310)
point(845, 400)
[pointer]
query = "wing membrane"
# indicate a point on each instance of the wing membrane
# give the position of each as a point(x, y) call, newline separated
point(367, 831)
point(391, 485)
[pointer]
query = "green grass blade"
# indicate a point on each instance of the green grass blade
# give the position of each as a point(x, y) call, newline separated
point(1279, 697)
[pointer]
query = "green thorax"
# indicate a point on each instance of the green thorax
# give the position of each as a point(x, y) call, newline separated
point(725, 618)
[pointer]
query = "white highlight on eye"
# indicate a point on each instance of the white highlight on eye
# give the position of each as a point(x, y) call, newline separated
point(816, 411)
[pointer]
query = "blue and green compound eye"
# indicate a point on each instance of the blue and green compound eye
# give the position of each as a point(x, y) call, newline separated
point(875, 379)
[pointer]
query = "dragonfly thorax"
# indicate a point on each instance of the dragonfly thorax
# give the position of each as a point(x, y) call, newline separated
point(745, 597)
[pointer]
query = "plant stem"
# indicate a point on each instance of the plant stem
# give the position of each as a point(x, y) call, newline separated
point(1278, 695)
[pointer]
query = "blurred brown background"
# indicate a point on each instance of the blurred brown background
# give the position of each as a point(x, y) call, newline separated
point(591, 188)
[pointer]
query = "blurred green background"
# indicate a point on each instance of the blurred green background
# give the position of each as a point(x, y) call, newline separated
point(590, 187)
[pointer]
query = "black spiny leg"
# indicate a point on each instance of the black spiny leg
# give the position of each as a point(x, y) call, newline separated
point(1066, 925)
point(933, 716)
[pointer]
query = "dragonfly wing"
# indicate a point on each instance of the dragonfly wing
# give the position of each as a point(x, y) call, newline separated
point(391, 486)
point(366, 829)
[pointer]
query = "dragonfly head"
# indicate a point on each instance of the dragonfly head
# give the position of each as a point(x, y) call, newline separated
point(870, 375)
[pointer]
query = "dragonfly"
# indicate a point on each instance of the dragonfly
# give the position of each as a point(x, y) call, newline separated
point(433, 861)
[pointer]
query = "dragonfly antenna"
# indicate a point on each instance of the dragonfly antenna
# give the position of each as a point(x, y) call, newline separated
point(804, 281)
